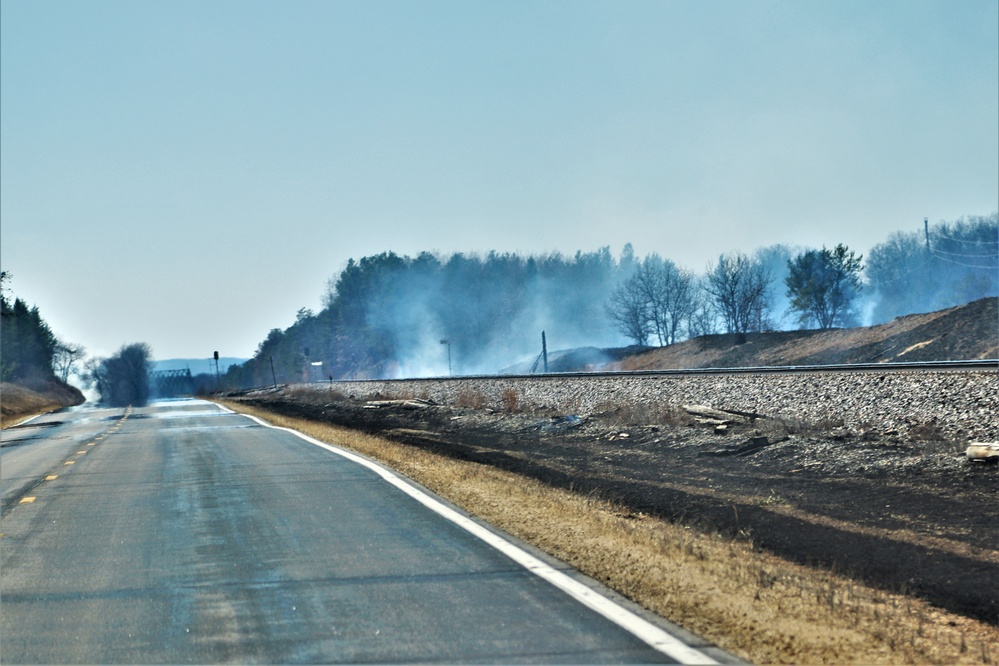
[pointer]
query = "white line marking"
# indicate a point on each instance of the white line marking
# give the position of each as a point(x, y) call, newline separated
point(624, 618)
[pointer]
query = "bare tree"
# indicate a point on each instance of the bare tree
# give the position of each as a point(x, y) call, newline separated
point(703, 319)
point(775, 259)
point(658, 298)
point(95, 375)
point(670, 293)
point(66, 356)
point(739, 287)
point(628, 311)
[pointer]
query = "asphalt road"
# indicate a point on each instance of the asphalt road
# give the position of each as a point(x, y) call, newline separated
point(180, 533)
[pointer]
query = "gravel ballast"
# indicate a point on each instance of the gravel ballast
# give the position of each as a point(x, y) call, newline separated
point(960, 405)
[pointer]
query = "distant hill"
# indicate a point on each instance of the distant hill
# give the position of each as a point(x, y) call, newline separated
point(964, 332)
point(198, 366)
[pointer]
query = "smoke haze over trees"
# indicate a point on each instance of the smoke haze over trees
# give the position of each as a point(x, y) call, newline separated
point(945, 265)
point(123, 379)
point(398, 316)
point(386, 315)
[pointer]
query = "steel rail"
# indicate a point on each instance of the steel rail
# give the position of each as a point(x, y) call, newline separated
point(978, 365)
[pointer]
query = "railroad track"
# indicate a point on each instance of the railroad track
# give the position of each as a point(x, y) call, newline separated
point(925, 366)
point(960, 398)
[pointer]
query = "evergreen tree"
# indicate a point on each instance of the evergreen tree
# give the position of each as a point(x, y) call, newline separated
point(823, 286)
point(27, 344)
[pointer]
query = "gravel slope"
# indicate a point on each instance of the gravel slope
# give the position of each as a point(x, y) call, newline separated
point(961, 406)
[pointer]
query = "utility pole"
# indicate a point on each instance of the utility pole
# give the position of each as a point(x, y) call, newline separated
point(448, 343)
point(544, 350)
point(926, 232)
point(273, 376)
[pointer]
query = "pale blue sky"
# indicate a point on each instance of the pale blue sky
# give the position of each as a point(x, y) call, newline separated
point(189, 174)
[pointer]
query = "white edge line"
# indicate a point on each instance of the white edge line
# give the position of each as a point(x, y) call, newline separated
point(649, 633)
point(27, 420)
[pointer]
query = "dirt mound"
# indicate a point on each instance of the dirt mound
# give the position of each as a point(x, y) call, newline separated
point(961, 333)
point(18, 402)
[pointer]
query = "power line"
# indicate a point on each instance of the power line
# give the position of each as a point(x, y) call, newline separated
point(902, 276)
point(965, 254)
point(975, 241)
point(876, 281)
point(960, 263)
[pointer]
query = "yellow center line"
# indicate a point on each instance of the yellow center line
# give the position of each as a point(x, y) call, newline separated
point(51, 477)
point(26, 500)
point(69, 462)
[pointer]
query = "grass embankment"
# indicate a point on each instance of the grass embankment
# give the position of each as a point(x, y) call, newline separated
point(19, 402)
point(752, 604)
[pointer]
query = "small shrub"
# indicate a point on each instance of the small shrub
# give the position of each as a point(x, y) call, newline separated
point(928, 432)
point(511, 401)
point(471, 398)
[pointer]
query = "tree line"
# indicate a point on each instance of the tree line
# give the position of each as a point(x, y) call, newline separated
point(30, 353)
point(388, 315)
point(737, 294)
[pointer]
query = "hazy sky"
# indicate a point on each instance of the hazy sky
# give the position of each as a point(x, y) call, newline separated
point(189, 174)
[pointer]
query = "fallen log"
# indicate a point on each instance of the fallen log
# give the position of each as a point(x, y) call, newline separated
point(987, 452)
point(406, 404)
point(711, 416)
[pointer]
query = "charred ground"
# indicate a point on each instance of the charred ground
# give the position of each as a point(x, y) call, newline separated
point(912, 517)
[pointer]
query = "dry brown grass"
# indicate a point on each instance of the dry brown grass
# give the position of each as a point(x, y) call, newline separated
point(755, 605)
point(471, 398)
point(18, 403)
point(963, 332)
point(511, 401)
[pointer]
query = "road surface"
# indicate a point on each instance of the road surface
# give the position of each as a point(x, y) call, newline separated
point(182, 533)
